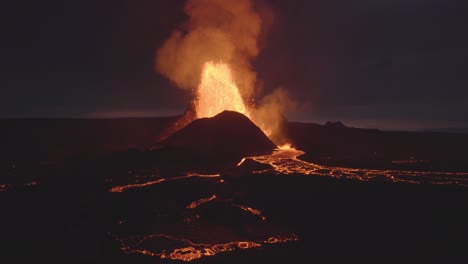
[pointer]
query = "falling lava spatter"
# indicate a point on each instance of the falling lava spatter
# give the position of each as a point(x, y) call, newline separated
point(218, 92)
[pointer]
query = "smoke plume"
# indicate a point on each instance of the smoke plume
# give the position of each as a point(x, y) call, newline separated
point(231, 32)
point(269, 114)
point(216, 30)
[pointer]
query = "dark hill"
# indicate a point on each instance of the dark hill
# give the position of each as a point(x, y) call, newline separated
point(335, 144)
point(226, 136)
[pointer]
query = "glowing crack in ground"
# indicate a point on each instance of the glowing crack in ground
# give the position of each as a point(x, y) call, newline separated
point(173, 247)
point(195, 204)
point(251, 210)
point(126, 187)
point(137, 185)
point(9, 187)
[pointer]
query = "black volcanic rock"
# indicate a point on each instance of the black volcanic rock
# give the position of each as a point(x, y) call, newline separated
point(226, 136)
point(335, 144)
point(250, 165)
point(178, 124)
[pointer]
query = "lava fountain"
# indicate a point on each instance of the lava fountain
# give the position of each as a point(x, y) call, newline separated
point(211, 53)
point(218, 92)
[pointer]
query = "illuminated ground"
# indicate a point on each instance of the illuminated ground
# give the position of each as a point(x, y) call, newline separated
point(285, 161)
point(195, 234)
point(127, 206)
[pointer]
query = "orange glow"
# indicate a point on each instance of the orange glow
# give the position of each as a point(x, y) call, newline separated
point(138, 185)
point(218, 92)
point(201, 201)
point(8, 187)
point(126, 187)
point(251, 210)
point(285, 147)
point(241, 162)
point(285, 161)
point(193, 251)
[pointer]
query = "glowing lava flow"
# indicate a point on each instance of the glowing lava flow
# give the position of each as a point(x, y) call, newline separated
point(251, 210)
point(285, 161)
point(191, 250)
point(218, 92)
point(137, 185)
point(8, 187)
point(123, 188)
point(175, 247)
point(195, 204)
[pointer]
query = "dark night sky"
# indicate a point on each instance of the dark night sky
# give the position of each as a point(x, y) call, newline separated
point(400, 64)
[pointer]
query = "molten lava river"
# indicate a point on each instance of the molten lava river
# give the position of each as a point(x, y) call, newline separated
point(190, 215)
point(195, 215)
point(208, 218)
point(285, 161)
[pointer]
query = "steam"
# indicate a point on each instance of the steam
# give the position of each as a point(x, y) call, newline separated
point(217, 30)
point(270, 114)
point(227, 31)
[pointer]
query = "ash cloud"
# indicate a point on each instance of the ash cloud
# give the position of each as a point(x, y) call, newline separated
point(270, 111)
point(232, 32)
point(216, 30)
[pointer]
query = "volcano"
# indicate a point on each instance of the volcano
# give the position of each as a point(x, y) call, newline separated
point(227, 136)
point(179, 202)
